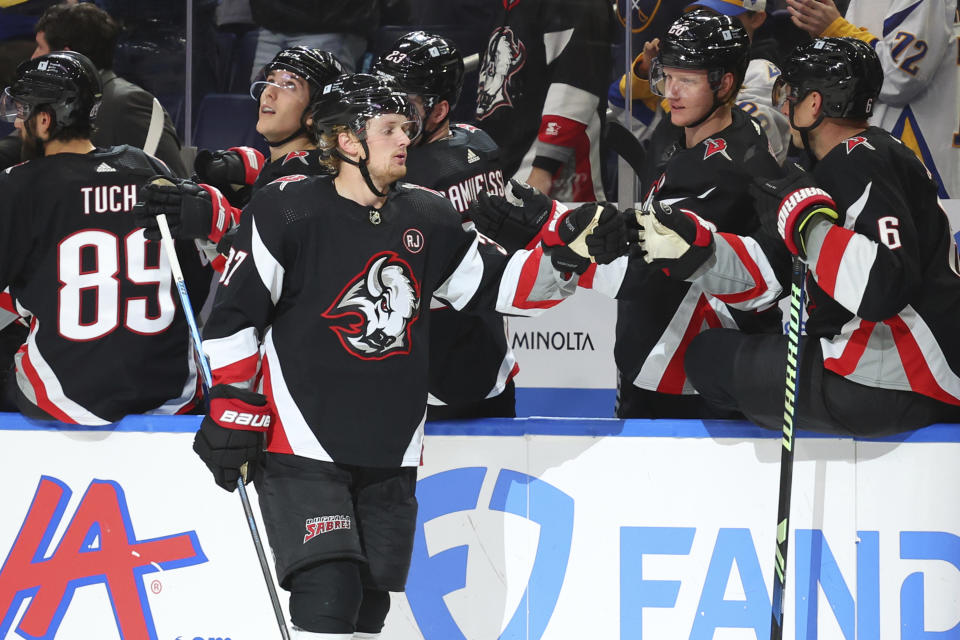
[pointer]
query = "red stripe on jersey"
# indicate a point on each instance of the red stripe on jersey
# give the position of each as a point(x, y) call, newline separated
point(852, 351)
point(565, 132)
point(586, 279)
point(6, 302)
point(40, 391)
point(528, 277)
point(831, 255)
point(277, 441)
point(674, 377)
point(752, 267)
point(915, 365)
point(239, 371)
point(513, 372)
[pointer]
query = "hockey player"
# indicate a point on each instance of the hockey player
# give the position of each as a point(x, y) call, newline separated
point(755, 91)
point(324, 300)
point(541, 93)
point(882, 353)
point(471, 365)
point(208, 208)
point(106, 336)
point(917, 43)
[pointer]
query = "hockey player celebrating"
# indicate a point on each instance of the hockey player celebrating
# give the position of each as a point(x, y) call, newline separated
point(471, 365)
point(106, 338)
point(324, 302)
point(882, 353)
point(209, 207)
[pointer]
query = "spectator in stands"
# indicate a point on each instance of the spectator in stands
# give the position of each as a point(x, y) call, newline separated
point(471, 365)
point(128, 114)
point(917, 46)
point(542, 93)
point(341, 27)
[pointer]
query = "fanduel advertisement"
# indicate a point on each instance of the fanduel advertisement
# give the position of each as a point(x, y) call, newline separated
point(527, 530)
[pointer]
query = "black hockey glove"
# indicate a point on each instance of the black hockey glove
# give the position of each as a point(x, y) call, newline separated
point(512, 224)
point(675, 240)
point(231, 435)
point(593, 232)
point(799, 205)
point(232, 171)
point(194, 211)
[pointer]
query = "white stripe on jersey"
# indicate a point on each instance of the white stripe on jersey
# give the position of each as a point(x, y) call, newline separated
point(608, 278)
point(503, 374)
point(548, 286)
point(172, 406)
point(854, 210)
point(271, 273)
point(302, 440)
point(234, 348)
point(655, 366)
point(729, 275)
point(51, 384)
point(411, 457)
point(463, 283)
point(155, 130)
point(554, 42)
point(853, 273)
point(933, 356)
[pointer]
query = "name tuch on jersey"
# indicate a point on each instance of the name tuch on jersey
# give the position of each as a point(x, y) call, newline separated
point(116, 198)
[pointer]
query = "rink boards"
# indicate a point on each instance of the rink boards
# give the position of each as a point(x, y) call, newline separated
point(528, 529)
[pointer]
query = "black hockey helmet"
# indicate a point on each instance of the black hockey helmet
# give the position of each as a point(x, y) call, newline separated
point(66, 82)
point(845, 71)
point(426, 65)
point(703, 40)
point(315, 66)
point(354, 99)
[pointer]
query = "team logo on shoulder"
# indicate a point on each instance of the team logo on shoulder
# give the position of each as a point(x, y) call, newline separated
point(285, 180)
point(505, 56)
point(296, 155)
point(413, 240)
point(466, 127)
point(714, 146)
point(381, 304)
point(856, 141)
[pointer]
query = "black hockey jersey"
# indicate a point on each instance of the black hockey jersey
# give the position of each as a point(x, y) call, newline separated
point(305, 162)
point(657, 317)
point(541, 92)
point(334, 295)
point(107, 335)
point(883, 285)
point(469, 356)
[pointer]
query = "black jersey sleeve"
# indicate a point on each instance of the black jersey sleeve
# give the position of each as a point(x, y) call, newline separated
point(16, 236)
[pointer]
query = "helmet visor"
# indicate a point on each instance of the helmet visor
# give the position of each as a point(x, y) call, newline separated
point(12, 109)
point(390, 125)
point(280, 79)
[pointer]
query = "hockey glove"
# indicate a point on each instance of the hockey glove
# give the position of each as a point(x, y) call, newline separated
point(229, 170)
point(799, 204)
point(675, 240)
point(194, 211)
point(231, 435)
point(593, 232)
point(513, 222)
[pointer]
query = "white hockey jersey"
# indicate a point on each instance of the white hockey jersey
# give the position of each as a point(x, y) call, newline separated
point(917, 42)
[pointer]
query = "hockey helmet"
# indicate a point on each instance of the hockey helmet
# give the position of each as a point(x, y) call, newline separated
point(66, 82)
point(315, 66)
point(703, 40)
point(353, 100)
point(845, 71)
point(426, 65)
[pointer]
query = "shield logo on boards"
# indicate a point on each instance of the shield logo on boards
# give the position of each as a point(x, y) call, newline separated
point(518, 500)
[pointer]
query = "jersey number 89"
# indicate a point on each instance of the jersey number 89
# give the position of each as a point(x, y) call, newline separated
point(89, 305)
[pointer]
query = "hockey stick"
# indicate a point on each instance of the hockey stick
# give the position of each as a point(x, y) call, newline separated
point(786, 453)
point(625, 145)
point(171, 252)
